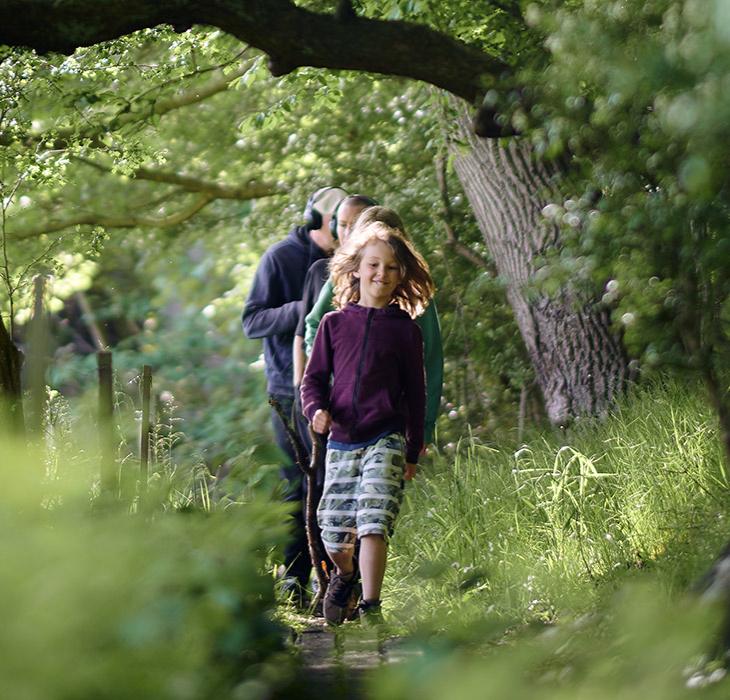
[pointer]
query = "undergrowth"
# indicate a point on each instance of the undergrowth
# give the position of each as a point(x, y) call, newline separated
point(542, 531)
point(495, 545)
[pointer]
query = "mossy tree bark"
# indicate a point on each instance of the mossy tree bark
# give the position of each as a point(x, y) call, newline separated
point(580, 363)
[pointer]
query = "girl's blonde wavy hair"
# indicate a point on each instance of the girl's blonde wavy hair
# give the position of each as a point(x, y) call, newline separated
point(416, 288)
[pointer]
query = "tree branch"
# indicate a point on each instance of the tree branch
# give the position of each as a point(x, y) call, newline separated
point(250, 190)
point(451, 237)
point(512, 9)
point(292, 37)
point(112, 221)
point(207, 191)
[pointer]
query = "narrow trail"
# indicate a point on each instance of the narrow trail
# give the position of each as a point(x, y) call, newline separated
point(339, 660)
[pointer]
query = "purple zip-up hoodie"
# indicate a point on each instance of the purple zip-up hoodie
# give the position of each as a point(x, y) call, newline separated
point(375, 360)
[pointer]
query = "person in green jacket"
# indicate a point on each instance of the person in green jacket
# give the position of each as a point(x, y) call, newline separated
point(428, 322)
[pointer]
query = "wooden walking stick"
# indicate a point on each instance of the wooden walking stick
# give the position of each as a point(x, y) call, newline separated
point(309, 469)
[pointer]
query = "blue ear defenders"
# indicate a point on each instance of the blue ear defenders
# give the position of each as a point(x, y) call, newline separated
point(312, 217)
point(358, 198)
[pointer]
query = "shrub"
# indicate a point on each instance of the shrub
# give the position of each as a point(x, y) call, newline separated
point(100, 603)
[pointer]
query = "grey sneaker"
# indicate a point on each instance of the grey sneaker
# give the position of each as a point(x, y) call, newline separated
point(337, 597)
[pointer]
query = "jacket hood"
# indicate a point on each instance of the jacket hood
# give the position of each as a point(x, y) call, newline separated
point(300, 236)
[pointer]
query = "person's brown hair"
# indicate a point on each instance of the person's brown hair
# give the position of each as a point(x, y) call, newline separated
point(416, 287)
point(384, 215)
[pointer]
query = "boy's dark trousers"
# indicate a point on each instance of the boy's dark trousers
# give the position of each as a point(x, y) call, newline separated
point(296, 551)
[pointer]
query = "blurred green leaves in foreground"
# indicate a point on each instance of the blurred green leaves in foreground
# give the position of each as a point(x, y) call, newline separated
point(100, 603)
point(647, 646)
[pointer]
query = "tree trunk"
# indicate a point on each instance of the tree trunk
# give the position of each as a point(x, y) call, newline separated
point(580, 364)
point(11, 403)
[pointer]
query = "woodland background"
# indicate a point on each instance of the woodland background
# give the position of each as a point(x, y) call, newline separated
point(561, 166)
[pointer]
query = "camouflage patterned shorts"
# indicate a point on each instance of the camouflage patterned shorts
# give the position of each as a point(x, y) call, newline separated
point(363, 491)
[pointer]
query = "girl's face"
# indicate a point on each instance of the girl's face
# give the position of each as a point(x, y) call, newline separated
point(346, 217)
point(379, 274)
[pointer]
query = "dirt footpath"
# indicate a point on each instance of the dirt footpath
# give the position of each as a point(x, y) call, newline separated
point(337, 661)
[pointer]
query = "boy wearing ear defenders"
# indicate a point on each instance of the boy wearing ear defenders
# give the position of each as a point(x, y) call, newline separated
point(272, 312)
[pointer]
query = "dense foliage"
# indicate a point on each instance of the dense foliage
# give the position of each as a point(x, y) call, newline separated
point(634, 96)
point(171, 296)
point(169, 603)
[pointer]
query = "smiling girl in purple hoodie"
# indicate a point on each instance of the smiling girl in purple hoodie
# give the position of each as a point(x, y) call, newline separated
point(365, 385)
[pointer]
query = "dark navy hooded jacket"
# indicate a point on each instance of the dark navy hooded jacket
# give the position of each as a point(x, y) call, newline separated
point(274, 303)
point(366, 369)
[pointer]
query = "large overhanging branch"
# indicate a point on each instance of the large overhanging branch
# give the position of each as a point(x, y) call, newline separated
point(291, 36)
point(207, 192)
point(112, 220)
point(215, 190)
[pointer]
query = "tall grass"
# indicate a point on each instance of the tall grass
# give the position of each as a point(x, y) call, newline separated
point(546, 530)
point(560, 569)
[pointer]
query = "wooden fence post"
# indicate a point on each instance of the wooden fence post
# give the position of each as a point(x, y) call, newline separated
point(106, 425)
point(144, 438)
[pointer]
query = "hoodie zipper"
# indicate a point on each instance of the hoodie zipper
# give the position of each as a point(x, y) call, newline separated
point(360, 364)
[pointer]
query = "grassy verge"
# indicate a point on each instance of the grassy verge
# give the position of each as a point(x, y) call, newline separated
point(494, 544)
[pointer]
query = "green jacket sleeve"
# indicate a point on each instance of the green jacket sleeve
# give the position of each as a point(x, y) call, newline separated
point(433, 357)
point(322, 306)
